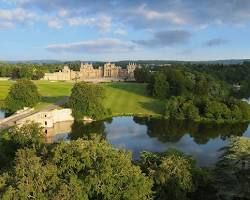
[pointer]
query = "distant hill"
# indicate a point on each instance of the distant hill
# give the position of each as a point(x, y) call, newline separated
point(125, 62)
point(35, 61)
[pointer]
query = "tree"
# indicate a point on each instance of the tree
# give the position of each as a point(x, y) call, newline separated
point(161, 86)
point(217, 110)
point(142, 75)
point(32, 179)
point(178, 82)
point(29, 135)
point(26, 72)
point(15, 74)
point(37, 75)
point(233, 170)
point(86, 100)
point(171, 173)
point(22, 94)
point(82, 169)
point(173, 108)
point(201, 87)
point(191, 111)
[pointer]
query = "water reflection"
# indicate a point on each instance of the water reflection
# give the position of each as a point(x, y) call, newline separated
point(202, 141)
point(2, 114)
point(81, 130)
point(174, 130)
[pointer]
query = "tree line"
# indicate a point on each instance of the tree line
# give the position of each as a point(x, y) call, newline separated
point(199, 92)
point(27, 70)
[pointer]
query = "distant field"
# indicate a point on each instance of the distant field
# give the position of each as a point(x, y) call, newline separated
point(121, 98)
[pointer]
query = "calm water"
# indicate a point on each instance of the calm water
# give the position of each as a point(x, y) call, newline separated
point(2, 114)
point(202, 141)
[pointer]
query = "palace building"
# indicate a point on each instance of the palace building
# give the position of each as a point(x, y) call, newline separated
point(88, 73)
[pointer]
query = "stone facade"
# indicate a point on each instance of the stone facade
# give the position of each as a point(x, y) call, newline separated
point(47, 119)
point(65, 74)
point(88, 72)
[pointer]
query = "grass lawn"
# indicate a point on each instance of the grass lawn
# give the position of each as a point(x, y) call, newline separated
point(125, 98)
point(121, 98)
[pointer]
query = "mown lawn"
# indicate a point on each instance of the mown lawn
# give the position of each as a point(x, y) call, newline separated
point(130, 98)
point(121, 98)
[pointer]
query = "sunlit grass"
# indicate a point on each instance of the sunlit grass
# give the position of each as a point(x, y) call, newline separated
point(121, 98)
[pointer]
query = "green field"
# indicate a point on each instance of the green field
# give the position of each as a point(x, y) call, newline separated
point(121, 98)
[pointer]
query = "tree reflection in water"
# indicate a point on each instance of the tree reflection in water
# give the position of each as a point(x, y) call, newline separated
point(86, 130)
point(166, 130)
point(174, 130)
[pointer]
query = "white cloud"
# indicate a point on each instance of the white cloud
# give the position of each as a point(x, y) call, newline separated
point(17, 14)
point(6, 25)
point(104, 23)
point(154, 15)
point(62, 13)
point(104, 45)
point(9, 18)
point(79, 21)
point(146, 13)
point(120, 31)
point(55, 23)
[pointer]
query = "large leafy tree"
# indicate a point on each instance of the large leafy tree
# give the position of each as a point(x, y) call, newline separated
point(171, 172)
point(22, 94)
point(82, 169)
point(105, 172)
point(233, 170)
point(161, 86)
point(26, 72)
point(142, 75)
point(86, 100)
point(30, 135)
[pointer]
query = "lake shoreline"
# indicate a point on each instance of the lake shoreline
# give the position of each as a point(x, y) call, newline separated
point(159, 116)
point(137, 134)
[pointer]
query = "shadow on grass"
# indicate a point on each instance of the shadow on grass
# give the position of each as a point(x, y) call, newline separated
point(56, 100)
point(137, 88)
point(155, 106)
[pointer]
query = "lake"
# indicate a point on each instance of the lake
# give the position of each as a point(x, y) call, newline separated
point(2, 114)
point(200, 140)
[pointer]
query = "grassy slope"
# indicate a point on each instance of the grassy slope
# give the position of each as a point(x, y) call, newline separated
point(122, 98)
point(125, 98)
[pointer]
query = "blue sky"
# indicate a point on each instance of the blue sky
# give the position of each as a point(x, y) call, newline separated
point(112, 30)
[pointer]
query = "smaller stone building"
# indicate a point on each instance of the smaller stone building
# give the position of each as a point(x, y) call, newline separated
point(47, 119)
point(64, 75)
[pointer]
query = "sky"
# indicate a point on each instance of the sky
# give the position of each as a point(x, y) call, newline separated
point(112, 30)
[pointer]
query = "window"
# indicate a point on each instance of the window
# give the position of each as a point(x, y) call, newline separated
point(45, 115)
point(45, 123)
point(46, 131)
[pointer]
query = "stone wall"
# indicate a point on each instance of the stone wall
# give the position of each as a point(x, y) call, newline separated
point(48, 118)
point(63, 75)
